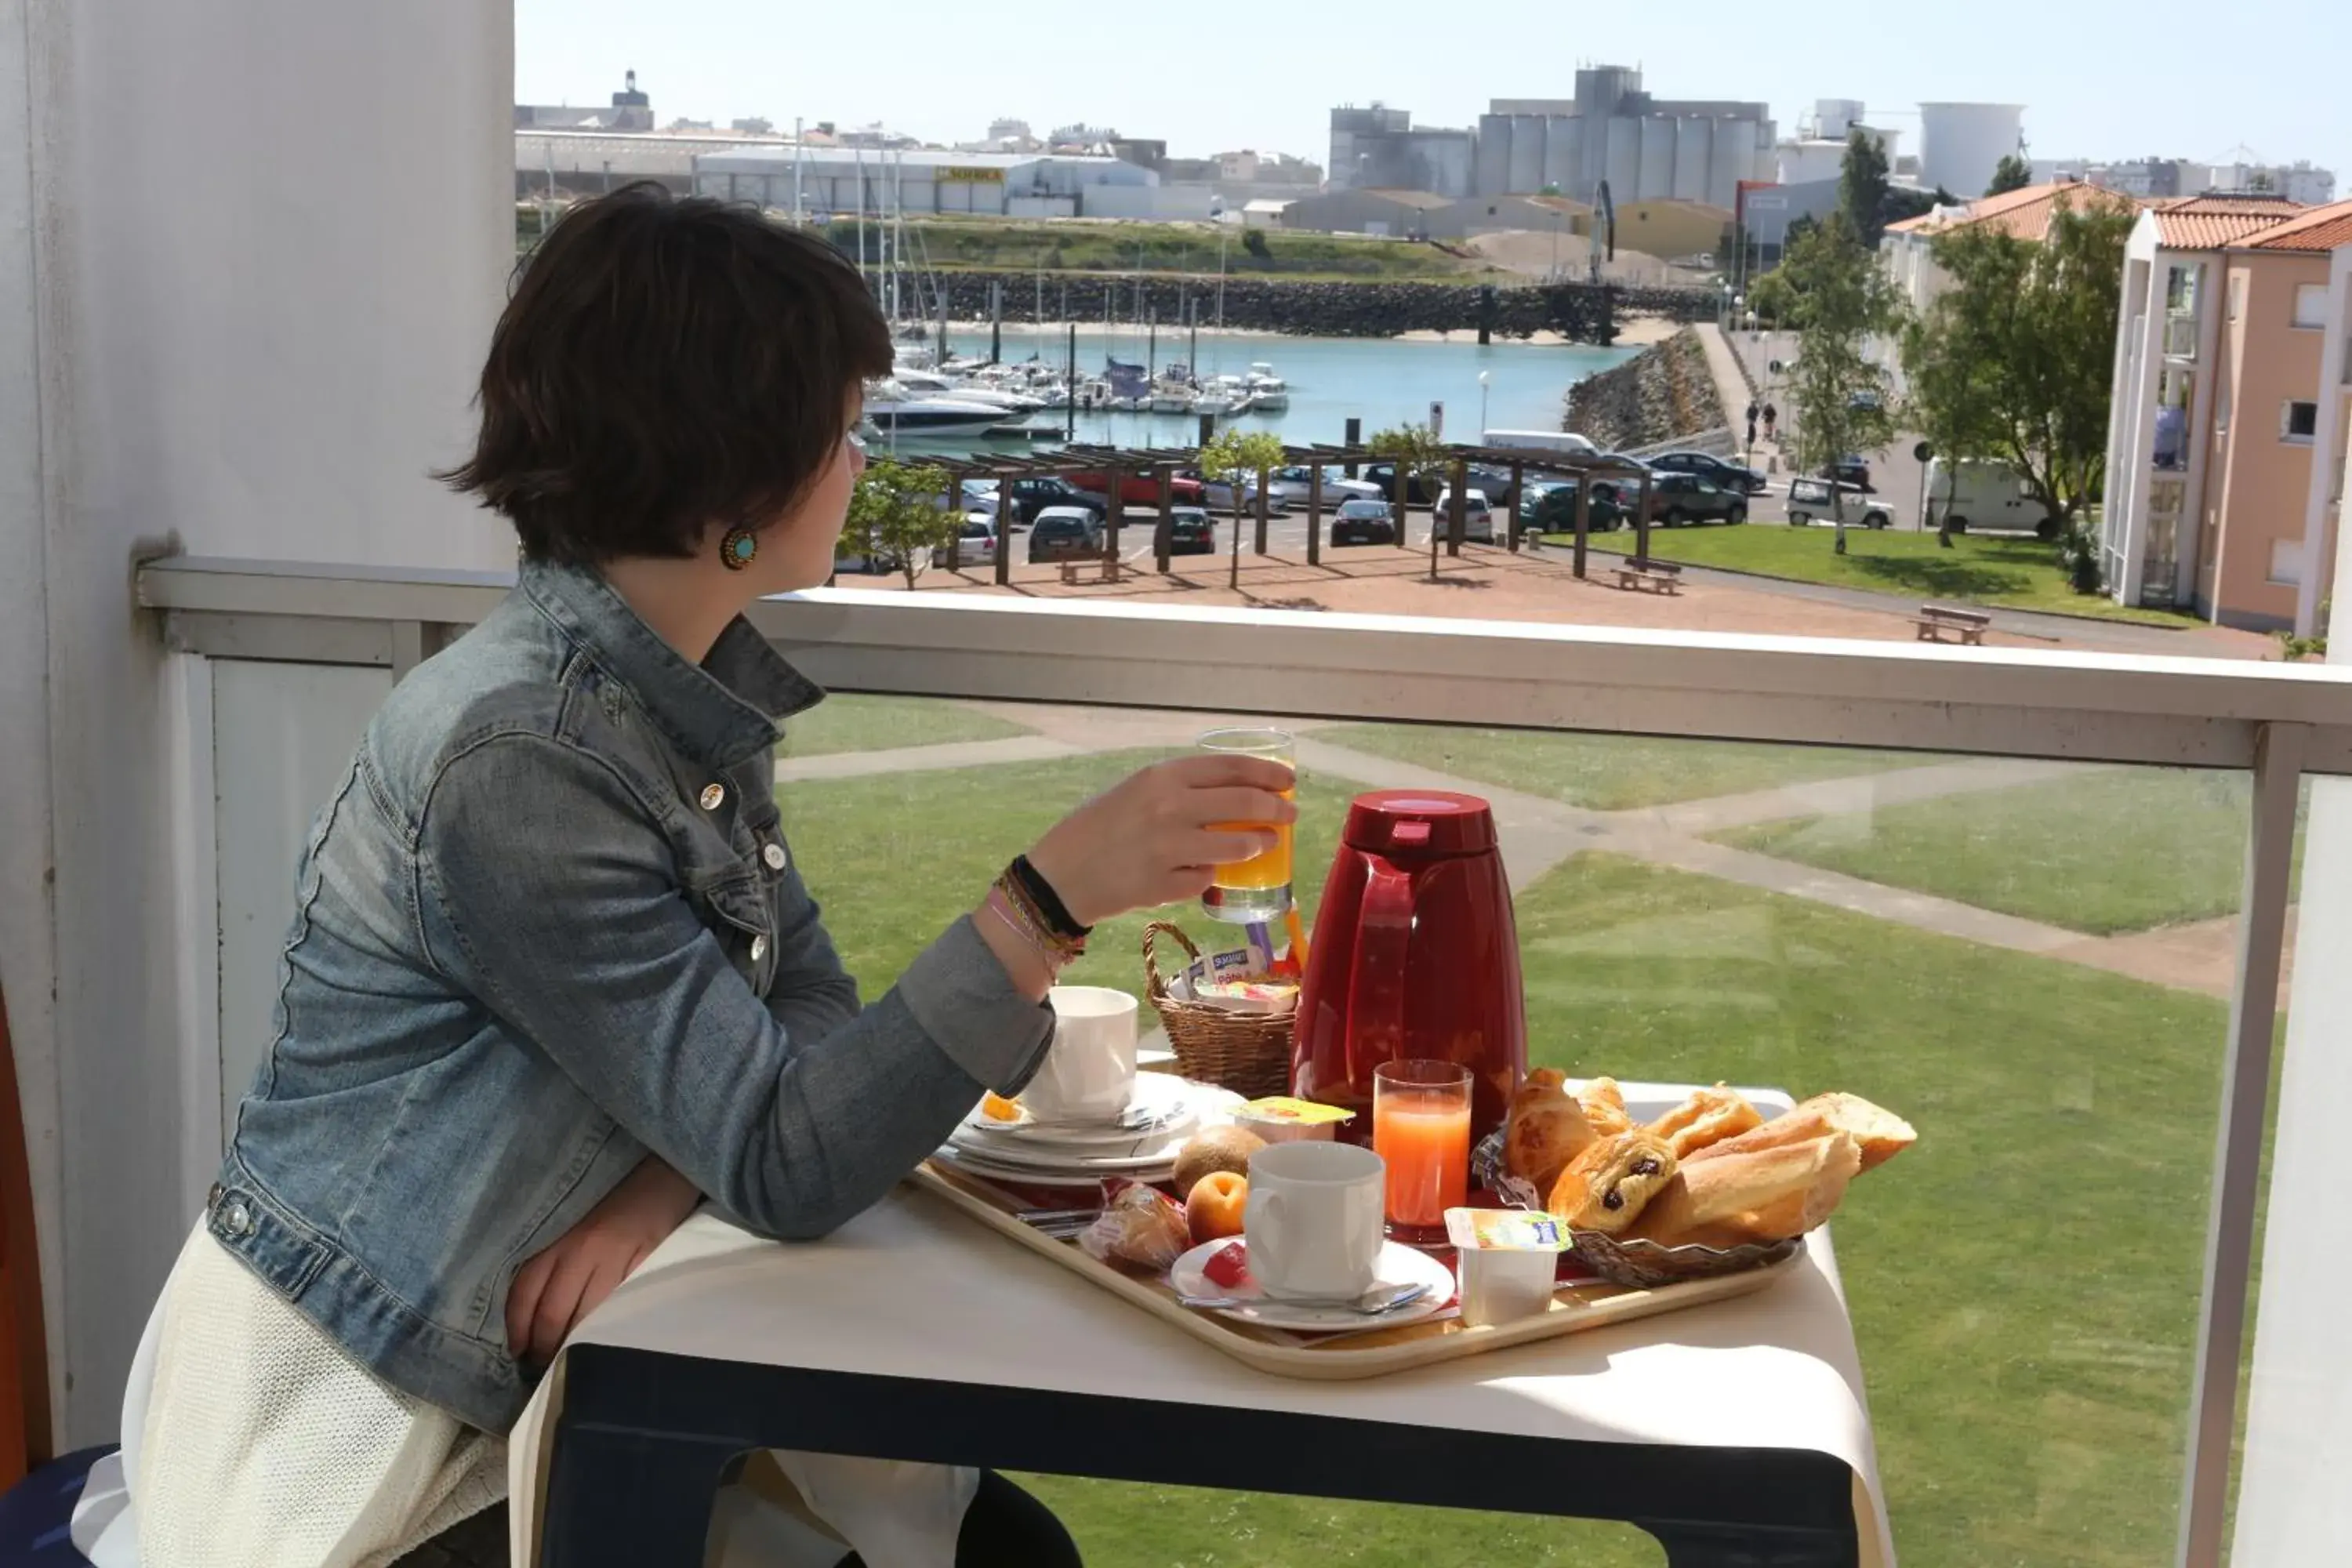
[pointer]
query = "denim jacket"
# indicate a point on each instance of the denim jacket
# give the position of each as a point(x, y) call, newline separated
point(548, 924)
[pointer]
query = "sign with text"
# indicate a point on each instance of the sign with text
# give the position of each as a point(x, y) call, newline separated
point(961, 174)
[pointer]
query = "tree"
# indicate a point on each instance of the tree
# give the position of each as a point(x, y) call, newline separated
point(1841, 394)
point(2012, 362)
point(2011, 173)
point(1254, 241)
point(1418, 455)
point(1862, 185)
point(1236, 456)
point(900, 513)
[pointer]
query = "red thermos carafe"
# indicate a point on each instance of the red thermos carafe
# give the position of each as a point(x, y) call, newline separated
point(1415, 955)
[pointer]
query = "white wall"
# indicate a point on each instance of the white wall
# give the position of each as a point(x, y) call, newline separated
point(255, 345)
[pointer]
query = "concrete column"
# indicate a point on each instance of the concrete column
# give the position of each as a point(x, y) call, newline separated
point(2212, 310)
point(261, 358)
point(2139, 439)
point(2335, 408)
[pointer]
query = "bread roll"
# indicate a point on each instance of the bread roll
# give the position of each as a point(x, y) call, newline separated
point(1604, 1106)
point(1881, 1133)
point(1606, 1187)
point(1710, 1116)
point(1544, 1129)
point(1766, 1195)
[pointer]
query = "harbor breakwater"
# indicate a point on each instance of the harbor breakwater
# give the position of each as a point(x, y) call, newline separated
point(1665, 393)
point(1580, 312)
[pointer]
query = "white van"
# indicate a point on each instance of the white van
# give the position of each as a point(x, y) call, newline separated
point(1544, 441)
point(1982, 496)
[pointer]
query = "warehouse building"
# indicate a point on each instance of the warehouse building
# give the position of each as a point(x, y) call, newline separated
point(1648, 149)
point(838, 179)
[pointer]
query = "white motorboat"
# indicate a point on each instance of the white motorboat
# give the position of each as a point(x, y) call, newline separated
point(1171, 396)
point(895, 409)
point(1267, 390)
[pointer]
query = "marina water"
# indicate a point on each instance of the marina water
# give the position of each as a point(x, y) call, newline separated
point(1384, 381)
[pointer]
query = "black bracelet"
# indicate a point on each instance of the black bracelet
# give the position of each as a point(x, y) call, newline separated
point(1049, 902)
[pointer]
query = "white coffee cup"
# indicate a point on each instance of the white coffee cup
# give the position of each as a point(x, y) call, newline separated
point(1314, 1220)
point(1089, 1072)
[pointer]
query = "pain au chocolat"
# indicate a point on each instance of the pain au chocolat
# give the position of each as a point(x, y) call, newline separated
point(1606, 1187)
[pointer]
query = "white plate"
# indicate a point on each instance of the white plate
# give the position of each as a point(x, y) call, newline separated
point(988, 1170)
point(1089, 1141)
point(1399, 1265)
point(1148, 1154)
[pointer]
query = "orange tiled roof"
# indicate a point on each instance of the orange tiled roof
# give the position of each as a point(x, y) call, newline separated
point(2314, 230)
point(2212, 223)
point(2023, 214)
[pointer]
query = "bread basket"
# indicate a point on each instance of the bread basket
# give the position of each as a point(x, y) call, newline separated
point(1248, 1053)
point(1624, 1260)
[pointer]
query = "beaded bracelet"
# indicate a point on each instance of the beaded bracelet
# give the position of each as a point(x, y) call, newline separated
point(1059, 952)
point(1043, 899)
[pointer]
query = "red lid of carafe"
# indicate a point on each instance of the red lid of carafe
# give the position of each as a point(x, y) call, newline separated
point(1410, 822)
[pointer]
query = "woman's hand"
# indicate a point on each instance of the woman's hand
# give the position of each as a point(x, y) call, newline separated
point(572, 1278)
point(1154, 837)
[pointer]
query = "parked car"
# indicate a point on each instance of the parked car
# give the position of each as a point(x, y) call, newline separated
point(1418, 491)
point(1364, 522)
point(1812, 500)
point(1678, 499)
point(1064, 533)
point(975, 545)
point(1031, 495)
point(1985, 497)
point(1622, 488)
point(1849, 469)
point(1191, 532)
point(1731, 476)
point(1139, 488)
point(1551, 508)
point(1337, 485)
point(1477, 516)
point(1219, 496)
point(1501, 493)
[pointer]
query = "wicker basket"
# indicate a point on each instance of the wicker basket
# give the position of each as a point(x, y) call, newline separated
point(1248, 1053)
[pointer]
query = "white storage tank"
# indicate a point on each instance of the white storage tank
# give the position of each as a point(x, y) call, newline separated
point(1960, 144)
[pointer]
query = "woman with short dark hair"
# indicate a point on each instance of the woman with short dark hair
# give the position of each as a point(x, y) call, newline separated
point(553, 977)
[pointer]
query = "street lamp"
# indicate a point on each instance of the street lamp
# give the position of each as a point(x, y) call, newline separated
point(1483, 380)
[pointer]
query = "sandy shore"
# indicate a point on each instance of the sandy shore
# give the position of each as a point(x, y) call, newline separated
point(1634, 333)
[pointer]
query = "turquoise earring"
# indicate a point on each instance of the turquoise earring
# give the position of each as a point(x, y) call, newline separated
point(738, 547)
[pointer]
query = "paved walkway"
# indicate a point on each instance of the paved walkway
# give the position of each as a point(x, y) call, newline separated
point(1540, 833)
point(1730, 386)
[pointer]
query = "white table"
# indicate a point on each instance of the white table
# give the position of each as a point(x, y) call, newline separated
point(1736, 1433)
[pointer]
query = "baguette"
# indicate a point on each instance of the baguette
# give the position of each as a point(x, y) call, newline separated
point(1881, 1133)
point(1708, 1117)
point(1762, 1195)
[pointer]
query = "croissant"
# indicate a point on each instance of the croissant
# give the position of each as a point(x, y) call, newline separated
point(1604, 1106)
point(1710, 1116)
point(1544, 1129)
point(1881, 1133)
point(1606, 1187)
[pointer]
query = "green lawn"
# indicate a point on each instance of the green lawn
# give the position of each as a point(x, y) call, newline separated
point(2016, 573)
point(1610, 773)
point(2023, 1284)
point(848, 723)
point(2111, 851)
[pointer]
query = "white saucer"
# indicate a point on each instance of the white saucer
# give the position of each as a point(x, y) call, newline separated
point(1157, 1100)
point(1398, 1265)
point(1019, 1176)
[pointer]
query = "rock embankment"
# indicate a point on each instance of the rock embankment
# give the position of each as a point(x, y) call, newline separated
point(1577, 311)
point(1662, 393)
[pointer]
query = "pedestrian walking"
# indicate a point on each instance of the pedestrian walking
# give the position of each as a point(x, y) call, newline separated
point(1751, 421)
point(1771, 420)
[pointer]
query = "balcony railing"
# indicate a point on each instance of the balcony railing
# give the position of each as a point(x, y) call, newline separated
point(1632, 937)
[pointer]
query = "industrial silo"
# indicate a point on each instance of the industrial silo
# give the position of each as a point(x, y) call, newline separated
point(1961, 143)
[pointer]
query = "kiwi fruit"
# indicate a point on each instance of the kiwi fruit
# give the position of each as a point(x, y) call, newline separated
point(1218, 1149)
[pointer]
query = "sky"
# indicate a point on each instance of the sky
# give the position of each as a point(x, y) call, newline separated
point(2099, 78)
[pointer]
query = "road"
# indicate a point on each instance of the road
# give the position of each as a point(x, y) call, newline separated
point(1894, 473)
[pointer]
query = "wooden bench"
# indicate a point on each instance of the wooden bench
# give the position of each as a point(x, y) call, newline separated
point(1107, 568)
point(1934, 620)
point(1650, 577)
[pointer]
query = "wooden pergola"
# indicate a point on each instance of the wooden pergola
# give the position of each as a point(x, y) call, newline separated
point(1163, 464)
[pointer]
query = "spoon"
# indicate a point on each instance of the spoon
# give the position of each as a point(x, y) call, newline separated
point(1373, 1303)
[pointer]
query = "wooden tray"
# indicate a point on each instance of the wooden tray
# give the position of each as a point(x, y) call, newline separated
point(1592, 1304)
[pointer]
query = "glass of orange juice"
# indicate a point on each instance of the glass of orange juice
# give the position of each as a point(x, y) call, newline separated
point(1253, 892)
point(1420, 1128)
